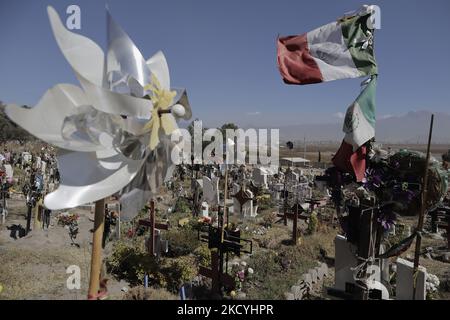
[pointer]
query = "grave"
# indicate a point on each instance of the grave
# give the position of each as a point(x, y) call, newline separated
point(404, 290)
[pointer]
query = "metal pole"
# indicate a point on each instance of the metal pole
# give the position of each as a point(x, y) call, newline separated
point(422, 210)
point(96, 258)
point(152, 227)
point(294, 228)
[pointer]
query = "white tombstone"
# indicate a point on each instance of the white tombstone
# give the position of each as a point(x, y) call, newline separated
point(259, 176)
point(44, 168)
point(344, 260)
point(247, 209)
point(205, 209)
point(38, 163)
point(211, 190)
point(9, 171)
point(404, 289)
point(26, 157)
point(292, 177)
point(236, 205)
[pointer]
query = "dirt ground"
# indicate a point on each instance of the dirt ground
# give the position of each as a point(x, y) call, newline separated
point(34, 267)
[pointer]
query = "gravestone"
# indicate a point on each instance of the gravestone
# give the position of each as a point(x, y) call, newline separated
point(320, 273)
point(289, 296)
point(313, 273)
point(211, 190)
point(259, 176)
point(243, 202)
point(307, 279)
point(205, 209)
point(404, 289)
point(344, 260)
point(297, 291)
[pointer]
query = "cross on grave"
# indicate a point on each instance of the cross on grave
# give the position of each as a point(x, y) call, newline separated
point(297, 212)
point(245, 200)
point(153, 225)
point(313, 203)
point(218, 278)
point(220, 242)
point(242, 197)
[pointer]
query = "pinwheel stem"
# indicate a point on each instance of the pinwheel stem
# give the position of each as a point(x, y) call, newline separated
point(96, 258)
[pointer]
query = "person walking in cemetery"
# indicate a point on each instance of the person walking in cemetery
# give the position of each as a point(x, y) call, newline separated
point(107, 226)
point(47, 216)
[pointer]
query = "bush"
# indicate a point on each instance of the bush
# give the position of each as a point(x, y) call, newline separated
point(269, 219)
point(182, 205)
point(264, 202)
point(182, 241)
point(203, 255)
point(179, 271)
point(132, 263)
point(141, 293)
point(313, 223)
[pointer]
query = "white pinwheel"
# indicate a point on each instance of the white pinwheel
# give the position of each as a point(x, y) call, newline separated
point(108, 132)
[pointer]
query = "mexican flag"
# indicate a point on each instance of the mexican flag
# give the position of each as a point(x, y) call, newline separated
point(359, 123)
point(339, 50)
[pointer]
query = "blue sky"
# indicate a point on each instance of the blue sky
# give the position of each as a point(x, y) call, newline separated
point(224, 53)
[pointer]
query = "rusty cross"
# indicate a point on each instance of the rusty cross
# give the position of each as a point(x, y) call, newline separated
point(152, 224)
point(218, 279)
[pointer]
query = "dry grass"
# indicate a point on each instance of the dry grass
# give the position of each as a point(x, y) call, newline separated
point(29, 274)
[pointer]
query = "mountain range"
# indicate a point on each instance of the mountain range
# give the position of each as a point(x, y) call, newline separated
point(409, 128)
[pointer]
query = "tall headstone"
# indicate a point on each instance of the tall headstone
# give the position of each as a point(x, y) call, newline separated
point(344, 260)
point(404, 289)
point(259, 176)
point(211, 190)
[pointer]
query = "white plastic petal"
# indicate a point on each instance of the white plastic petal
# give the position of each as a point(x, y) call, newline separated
point(45, 120)
point(90, 176)
point(123, 56)
point(159, 67)
point(115, 103)
point(83, 54)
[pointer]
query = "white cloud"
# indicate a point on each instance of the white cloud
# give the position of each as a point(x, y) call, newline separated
point(385, 116)
point(255, 113)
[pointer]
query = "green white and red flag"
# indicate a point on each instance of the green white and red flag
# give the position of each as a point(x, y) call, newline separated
point(339, 50)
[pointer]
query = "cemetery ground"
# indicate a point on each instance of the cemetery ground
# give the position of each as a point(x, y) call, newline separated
point(34, 267)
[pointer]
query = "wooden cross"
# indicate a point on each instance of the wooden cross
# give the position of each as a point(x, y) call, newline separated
point(152, 224)
point(242, 196)
point(297, 212)
point(313, 203)
point(220, 242)
point(218, 278)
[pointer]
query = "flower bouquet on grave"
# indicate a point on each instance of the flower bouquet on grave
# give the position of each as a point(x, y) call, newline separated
point(67, 218)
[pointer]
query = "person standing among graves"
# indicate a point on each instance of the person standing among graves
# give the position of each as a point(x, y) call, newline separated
point(47, 215)
point(107, 228)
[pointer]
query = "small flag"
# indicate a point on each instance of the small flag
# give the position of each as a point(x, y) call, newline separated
point(339, 50)
point(359, 123)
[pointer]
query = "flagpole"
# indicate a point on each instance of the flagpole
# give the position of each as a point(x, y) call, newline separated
point(96, 258)
point(422, 210)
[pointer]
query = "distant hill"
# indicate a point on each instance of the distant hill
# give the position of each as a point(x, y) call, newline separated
point(9, 130)
point(408, 128)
